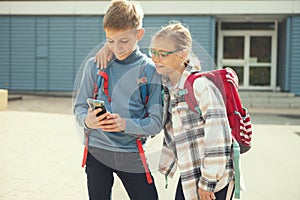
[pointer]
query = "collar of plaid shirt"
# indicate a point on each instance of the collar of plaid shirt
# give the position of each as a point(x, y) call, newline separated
point(180, 83)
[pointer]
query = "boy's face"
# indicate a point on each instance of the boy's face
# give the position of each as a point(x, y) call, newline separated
point(123, 43)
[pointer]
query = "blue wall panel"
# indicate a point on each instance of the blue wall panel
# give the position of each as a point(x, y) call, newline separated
point(4, 52)
point(281, 60)
point(43, 53)
point(88, 34)
point(293, 61)
point(61, 53)
point(22, 53)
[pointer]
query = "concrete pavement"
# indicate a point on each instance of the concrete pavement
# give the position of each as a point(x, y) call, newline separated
point(41, 154)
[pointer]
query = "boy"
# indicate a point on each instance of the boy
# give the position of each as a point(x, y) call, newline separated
point(112, 137)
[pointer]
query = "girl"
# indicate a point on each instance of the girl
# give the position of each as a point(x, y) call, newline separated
point(200, 146)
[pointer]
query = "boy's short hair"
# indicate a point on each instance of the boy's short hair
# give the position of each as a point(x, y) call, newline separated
point(123, 15)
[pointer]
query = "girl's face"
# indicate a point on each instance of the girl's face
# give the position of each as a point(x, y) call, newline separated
point(168, 60)
point(123, 43)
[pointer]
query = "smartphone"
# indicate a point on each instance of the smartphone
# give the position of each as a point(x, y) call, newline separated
point(95, 104)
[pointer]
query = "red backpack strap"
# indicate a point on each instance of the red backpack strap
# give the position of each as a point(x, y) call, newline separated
point(188, 85)
point(190, 96)
point(104, 75)
point(216, 76)
point(86, 149)
point(144, 81)
point(97, 84)
point(144, 161)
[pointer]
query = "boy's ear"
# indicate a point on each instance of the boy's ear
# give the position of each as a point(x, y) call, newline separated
point(140, 34)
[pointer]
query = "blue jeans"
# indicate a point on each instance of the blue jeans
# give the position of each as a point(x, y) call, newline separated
point(101, 165)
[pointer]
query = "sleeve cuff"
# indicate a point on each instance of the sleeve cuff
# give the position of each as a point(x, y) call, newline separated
point(83, 122)
point(207, 185)
point(85, 126)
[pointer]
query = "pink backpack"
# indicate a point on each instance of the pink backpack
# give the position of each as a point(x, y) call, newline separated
point(226, 81)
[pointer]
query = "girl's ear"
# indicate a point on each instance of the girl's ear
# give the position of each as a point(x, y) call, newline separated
point(184, 54)
point(140, 34)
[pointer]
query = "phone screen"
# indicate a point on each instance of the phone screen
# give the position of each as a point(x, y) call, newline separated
point(95, 104)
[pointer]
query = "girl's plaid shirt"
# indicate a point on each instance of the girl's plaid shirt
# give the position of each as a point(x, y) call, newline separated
point(199, 145)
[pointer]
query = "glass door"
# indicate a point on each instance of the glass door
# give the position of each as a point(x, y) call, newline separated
point(260, 61)
point(252, 54)
point(234, 55)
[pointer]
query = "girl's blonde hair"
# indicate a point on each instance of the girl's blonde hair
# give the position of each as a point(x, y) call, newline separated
point(178, 34)
point(181, 38)
point(123, 15)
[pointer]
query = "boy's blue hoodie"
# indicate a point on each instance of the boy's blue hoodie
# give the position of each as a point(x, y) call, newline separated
point(126, 99)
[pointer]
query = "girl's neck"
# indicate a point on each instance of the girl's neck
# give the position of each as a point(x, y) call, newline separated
point(176, 75)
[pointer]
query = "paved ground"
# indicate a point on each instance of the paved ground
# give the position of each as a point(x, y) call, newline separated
point(40, 154)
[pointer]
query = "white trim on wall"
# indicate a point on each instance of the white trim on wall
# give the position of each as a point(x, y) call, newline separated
point(216, 7)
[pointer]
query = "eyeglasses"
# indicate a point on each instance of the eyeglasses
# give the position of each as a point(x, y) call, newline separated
point(161, 54)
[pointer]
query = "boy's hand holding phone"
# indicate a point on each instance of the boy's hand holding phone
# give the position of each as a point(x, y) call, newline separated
point(113, 123)
point(98, 117)
point(96, 113)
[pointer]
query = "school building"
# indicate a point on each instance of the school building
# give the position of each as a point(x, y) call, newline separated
point(43, 43)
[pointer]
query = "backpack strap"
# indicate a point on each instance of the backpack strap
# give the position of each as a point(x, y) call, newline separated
point(190, 96)
point(188, 85)
point(102, 75)
point(97, 84)
point(143, 81)
point(237, 171)
point(144, 161)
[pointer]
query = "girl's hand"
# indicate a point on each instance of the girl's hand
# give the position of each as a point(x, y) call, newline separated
point(93, 122)
point(206, 195)
point(103, 56)
point(113, 123)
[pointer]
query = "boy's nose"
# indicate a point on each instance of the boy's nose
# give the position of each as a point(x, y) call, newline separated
point(118, 48)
